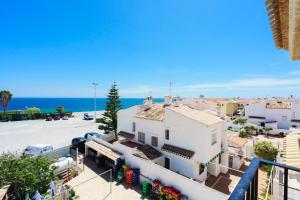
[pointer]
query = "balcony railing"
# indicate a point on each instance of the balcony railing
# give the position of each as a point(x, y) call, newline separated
point(247, 187)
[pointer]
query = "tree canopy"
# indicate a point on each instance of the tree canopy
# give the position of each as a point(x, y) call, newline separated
point(113, 105)
point(241, 121)
point(265, 150)
point(5, 97)
point(26, 174)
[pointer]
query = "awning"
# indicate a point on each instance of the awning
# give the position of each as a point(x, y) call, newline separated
point(178, 151)
point(104, 150)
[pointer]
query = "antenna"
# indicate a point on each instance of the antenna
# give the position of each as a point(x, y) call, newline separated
point(172, 83)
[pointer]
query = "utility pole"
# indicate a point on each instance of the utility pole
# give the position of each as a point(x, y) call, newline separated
point(95, 102)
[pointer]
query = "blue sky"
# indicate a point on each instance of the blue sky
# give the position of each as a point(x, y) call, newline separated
point(57, 48)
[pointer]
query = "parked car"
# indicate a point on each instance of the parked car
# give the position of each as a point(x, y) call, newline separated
point(91, 134)
point(65, 117)
point(87, 116)
point(56, 117)
point(37, 149)
point(79, 142)
point(49, 118)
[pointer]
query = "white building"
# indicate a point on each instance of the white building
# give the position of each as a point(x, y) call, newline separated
point(280, 114)
point(237, 151)
point(193, 142)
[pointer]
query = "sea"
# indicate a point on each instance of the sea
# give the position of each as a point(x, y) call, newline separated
point(70, 104)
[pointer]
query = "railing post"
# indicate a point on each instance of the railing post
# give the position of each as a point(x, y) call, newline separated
point(286, 177)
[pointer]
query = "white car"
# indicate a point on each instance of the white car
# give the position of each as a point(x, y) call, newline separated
point(87, 116)
point(37, 149)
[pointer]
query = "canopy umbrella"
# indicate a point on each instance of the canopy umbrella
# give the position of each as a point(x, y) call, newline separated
point(37, 196)
point(64, 193)
point(53, 189)
point(27, 197)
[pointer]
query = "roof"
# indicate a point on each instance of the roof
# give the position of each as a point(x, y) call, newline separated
point(126, 135)
point(256, 117)
point(144, 151)
point(295, 120)
point(178, 151)
point(284, 17)
point(278, 105)
point(154, 112)
point(106, 151)
point(291, 150)
point(204, 117)
point(237, 140)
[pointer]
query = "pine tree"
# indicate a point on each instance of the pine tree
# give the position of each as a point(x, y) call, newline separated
point(113, 105)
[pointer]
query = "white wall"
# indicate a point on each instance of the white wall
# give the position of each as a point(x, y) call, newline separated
point(192, 135)
point(277, 115)
point(257, 109)
point(192, 189)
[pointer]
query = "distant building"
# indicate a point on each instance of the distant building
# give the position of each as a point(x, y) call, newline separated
point(281, 114)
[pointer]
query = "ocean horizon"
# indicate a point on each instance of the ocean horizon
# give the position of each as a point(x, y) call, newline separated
point(70, 104)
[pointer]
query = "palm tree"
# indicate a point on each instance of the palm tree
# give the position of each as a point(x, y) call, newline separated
point(5, 97)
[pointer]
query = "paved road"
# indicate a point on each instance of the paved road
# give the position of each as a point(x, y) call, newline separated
point(15, 136)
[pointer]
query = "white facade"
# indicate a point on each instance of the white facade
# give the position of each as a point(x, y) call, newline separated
point(285, 113)
point(205, 140)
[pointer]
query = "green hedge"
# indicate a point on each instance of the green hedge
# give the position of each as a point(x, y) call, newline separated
point(23, 115)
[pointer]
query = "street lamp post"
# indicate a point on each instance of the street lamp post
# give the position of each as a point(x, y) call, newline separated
point(95, 102)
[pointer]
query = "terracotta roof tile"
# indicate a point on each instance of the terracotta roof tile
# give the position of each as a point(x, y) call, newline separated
point(178, 151)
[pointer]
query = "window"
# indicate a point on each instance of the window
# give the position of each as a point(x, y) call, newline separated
point(167, 134)
point(201, 168)
point(213, 138)
point(133, 126)
point(284, 118)
point(167, 163)
point(154, 141)
point(220, 159)
point(141, 137)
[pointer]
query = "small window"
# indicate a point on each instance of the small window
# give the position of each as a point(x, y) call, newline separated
point(167, 134)
point(220, 159)
point(213, 138)
point(154, 141)
point(284, 118)
point(133, 126)
point(141, 137)
point(201, 168)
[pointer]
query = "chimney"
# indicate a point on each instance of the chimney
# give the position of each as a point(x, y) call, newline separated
point(167, 100)
point(148, 101)
point(176, 101)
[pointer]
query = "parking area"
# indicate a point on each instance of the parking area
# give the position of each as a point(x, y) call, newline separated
point(15, 136)
point(94, 183)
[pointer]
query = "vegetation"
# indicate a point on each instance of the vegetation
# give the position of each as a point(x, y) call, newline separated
point(265, 150)
point(243, 134)
point(240, 121)
point(267, 130)
point(250, 129)
point(26, 174)
point(113, 105)
point(5, 97)
point(281, 135)
point(60, 109)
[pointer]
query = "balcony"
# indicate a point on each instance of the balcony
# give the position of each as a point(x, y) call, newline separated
point(247, 187)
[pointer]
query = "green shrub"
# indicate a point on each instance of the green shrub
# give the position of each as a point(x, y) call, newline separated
point(243, 134)
point(265, 150)
point(281, 135)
